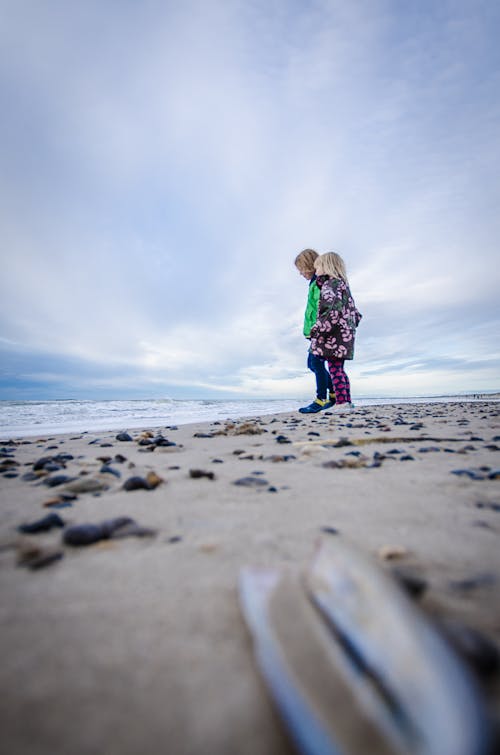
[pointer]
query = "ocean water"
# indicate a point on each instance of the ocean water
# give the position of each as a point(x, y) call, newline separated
point(32, 418)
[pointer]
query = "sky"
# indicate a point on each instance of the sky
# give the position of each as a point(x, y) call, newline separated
point(162, 164)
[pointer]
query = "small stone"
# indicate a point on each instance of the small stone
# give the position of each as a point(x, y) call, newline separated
point(153, 479)
point(392, 552)
point(86, 534)
point(106, 469)
point(87, 485)
point(197, 474)
point(251, 482)
point(55, 480)
point(282, 439)
point(136, 483)
point(35, 557)
point(42, 525)
point(124, 437)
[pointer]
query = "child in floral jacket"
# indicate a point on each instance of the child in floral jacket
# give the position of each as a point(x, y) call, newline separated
point(333, 334)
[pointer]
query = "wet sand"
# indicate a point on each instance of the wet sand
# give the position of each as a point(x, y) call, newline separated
point(136, 643)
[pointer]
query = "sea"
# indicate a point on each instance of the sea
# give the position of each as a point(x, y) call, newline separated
point(41, 418)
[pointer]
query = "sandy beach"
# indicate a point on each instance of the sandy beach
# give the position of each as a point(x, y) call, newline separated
point(135, 643)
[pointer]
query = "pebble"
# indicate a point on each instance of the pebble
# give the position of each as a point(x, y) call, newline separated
point(197, 474)
point(137, 483)
point(55, 480)
point(86, 534)
point(87, 485)
point(392, 552)
point(251, 482)
point(282, 439)
point(35, 557)
point(106, 469)
point(124, 437)
point(42, 525)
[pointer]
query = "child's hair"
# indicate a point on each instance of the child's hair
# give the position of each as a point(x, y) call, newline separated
point(305, 260)
point(331, 264)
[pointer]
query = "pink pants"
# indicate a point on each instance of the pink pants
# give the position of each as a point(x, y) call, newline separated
point(340, 381)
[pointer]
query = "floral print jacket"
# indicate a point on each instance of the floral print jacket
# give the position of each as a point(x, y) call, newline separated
point(332, 336)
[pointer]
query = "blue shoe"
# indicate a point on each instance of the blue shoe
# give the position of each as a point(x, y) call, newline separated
point(317, 406)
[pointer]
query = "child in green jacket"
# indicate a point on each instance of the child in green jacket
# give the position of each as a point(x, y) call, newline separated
point(304, 262)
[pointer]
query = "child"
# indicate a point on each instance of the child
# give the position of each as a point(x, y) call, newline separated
point(304, 262)
point(332, 336)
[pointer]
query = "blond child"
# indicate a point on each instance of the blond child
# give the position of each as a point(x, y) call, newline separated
point(333, 334)
point(304, 262)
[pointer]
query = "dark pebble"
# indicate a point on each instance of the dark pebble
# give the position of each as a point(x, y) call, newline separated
point(406, 457)
point(203, 435)
point(282, 439)
point(488, 505)
point(86, 534)
point(272, 489)
point(30, 477)
point(161, 441)
point(470, 473)
point(42, 525)
point(251, 482)
point(40, 463)
point(197, 474)
point(124, 437)
point(137, 483)
point(494, 475)
point(330, 530)
point(120, 459)
point(217, 461)
point(10, 475)
point(56, 480)
point(106, 469)
point(175, 539)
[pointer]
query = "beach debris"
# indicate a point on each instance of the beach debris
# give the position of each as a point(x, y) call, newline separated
point(35, 556)
point(251, 482)
point(86, 534)
point(42, 525)
point(197, 474)
point(246, 428)
point(355, 463)
point(430, 702)
point(124, 437)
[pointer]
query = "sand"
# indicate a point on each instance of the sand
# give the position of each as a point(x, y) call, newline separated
point(137, 644)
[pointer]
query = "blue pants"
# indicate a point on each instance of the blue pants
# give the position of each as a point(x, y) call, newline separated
point(323, 379)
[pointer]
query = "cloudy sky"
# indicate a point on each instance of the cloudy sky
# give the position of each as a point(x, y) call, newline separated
point(162, 163)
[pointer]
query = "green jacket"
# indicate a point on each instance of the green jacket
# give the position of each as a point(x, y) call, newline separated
point(311, 313)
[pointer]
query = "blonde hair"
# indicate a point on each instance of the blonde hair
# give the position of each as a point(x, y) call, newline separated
point(305, 260)
point(331, 264)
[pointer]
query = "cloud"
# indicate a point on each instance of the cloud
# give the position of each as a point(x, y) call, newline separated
point(163, 166)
